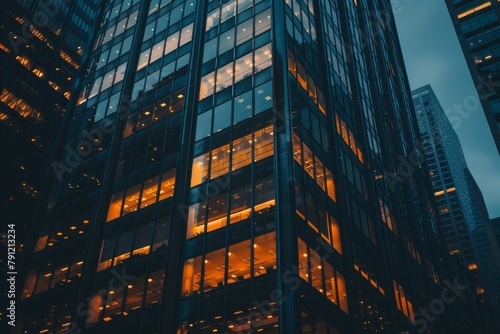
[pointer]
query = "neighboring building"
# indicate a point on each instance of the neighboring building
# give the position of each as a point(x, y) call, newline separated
point(234, 166)
point(41, 47)
point(496, 227)
point(477, 24)
point(464, 217)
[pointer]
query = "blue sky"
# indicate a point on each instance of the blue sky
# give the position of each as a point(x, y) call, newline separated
point(433, 56)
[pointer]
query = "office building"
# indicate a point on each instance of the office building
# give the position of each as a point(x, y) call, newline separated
point(477, 24)
point(41, 48)
point(240, 166)
point(463, 214)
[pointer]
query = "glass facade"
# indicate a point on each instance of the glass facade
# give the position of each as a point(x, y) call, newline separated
point(231, 166)
point(42, 46)
point(478, 28)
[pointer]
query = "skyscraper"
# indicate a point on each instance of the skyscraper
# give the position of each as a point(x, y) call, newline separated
point(464, 217)
point(240, 166)
point(496, 226)
point(41, 47)
point(477, 24)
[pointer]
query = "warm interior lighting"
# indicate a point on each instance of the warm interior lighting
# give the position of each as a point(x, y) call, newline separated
point(475, 9)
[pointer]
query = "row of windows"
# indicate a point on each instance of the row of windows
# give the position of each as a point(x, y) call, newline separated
point(234, 37)
point(402, 302)
point(109, 79)
point(240, 153)
point(133, 199)
point(164, 47)
point(348, 137)
point(19, 105)
point(50, 279)
point(306, 82)
point(229, 10)
point(302, 16)
point(236, 71)
point(231, 207)
point(320, 274)
point(243, 106)
point(237, 263)
point(136, 242)
point(118, 29)
point(140, 293)
point(317, 217)
point(154, 113)
point(313, 166)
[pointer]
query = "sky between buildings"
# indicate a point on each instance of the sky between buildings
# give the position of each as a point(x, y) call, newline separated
point(433, 56)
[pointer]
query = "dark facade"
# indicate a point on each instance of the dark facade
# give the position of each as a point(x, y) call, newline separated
point(463, 214)
point(241, 166)
point(496, 227)
point(41, 47)
point(477, 24)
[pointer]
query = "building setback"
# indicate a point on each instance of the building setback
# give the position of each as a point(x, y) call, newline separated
point(241, 166)
point(463, 214)
point(477, 24)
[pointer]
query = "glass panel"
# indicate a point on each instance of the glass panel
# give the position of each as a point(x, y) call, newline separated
point(204, 125)
point(213, 19)
point(167, 184)
point(319, 172)
point(199, 171)
point(224, 77)
point(154, 290)
point(215, 266)
point(335, 232)
point(186, 34)
point(226, 41)
point(264, 255)
point(207, 85)
point(239, 260)
point(303, 256)
point(263, 97)
point(264, 143)
point(191, 277)
point(143, 236)
point(308, 160)
point(262, 22)
point(263, 58)
point(143, 59)
point(161, 234)
point(222, 116)
point(131, 200)
point(244, 31)
point(243, 67)
point(115, 206)
point(220, 161)
point(241, 201)
point(228, 11)
point(330, 184)
point(171, 42)
point(196, 220)
point(242, 152)
point(135, 292)
point(217, 212)
point(297, 148)
point(210, 50)
point(242, 107)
